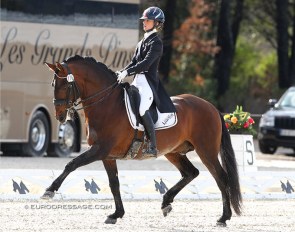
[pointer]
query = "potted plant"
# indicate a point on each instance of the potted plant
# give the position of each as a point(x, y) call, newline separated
point(239, 122)
point(240, 127)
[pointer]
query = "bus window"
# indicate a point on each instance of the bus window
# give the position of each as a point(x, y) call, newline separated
point(115, 14)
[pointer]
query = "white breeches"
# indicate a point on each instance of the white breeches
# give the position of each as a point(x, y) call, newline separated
point(145, 92)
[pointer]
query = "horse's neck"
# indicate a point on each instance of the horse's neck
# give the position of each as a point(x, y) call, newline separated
point(107, 100)
point(92, 86)
point(107, 105)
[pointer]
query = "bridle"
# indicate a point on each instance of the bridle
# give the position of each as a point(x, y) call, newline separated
point(73, 92)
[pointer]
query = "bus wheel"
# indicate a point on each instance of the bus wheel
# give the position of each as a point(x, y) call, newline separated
point(67, 140)
point(38, 136)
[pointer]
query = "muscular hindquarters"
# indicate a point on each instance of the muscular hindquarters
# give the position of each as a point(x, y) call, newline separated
point(198, 124)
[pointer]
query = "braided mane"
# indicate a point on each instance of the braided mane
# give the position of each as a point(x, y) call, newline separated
point(92, 60)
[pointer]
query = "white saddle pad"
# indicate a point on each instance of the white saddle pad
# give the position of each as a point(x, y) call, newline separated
point(165, 120)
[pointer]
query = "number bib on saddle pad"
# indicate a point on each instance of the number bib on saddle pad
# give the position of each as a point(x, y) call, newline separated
point(165, 120)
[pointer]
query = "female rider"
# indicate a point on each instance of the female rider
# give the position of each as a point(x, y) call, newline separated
point(144, 65)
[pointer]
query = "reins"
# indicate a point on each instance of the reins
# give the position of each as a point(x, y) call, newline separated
point(111, 87)
point(73, 90)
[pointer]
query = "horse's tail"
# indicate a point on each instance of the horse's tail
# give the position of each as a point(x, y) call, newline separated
point(229, 163)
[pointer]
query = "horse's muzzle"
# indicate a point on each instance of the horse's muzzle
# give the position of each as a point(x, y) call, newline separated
point(61, 118)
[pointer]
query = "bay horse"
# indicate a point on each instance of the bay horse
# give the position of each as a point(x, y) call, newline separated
point(200, 127)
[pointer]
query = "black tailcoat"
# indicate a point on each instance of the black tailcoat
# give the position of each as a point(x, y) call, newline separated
point(146, 61)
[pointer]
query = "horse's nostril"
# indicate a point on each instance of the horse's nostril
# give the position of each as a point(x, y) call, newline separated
point(61, 118)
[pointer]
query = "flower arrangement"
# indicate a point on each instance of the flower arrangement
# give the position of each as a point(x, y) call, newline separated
point(239, 122)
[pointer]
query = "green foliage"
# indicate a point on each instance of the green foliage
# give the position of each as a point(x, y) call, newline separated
point(245, 60)
point(205, 89)
point(253, 77)
point(266, 71)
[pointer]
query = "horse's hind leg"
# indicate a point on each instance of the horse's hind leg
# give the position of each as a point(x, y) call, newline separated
point(112, 171)
point(85, 158)
point(222, 182)
point(221, 179)
point(188, 173)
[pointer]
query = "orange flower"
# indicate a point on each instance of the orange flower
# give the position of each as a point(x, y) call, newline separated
point(234, 120)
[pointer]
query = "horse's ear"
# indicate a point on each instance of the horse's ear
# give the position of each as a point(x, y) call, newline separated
point(62, 71)
point(50, 66)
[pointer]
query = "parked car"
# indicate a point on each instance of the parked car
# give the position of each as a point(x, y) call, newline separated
point(277, 125)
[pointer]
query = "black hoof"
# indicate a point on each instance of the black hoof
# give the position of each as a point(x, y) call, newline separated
point(221, 224)
point(48, 195)
point(166, 210)
point(110, 221)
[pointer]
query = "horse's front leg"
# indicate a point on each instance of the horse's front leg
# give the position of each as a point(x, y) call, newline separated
point(112, 171)
point(85, 158)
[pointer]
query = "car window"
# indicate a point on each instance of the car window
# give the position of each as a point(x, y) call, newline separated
point(289, 99)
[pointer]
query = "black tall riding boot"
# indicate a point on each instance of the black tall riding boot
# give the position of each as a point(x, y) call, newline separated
point(148, 124)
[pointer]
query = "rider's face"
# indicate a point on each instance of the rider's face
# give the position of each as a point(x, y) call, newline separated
point(147, 24)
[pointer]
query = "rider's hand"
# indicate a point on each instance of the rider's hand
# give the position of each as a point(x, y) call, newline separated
point(121, 75)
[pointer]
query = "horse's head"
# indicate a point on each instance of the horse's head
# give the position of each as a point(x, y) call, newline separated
point(95, 80)
point(65, 90)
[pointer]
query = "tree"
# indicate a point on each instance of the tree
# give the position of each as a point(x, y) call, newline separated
point(227, 33)
point(164, 67)
point(275, 21)
point(283, 43)
point(194, 44)
point(292, 57)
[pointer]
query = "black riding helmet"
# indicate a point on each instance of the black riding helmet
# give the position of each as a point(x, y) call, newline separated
point(156, 14)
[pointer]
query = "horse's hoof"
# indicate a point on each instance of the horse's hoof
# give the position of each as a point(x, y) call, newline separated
point(110, 221)
point(166, 210)
point(221, 224)
point(48, 195)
